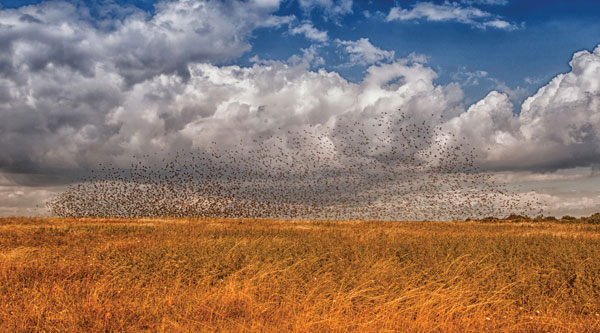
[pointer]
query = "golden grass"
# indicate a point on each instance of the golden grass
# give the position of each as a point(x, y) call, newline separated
point(266, 275)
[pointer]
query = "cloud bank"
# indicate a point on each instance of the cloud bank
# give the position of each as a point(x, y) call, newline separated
point(74, 93)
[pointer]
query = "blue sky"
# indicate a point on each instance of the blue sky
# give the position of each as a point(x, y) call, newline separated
point(102, 80)
point(547, 34)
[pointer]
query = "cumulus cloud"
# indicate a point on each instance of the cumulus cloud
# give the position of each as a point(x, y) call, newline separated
point(65, 120)
point(450, 12)
point(58, 114)
point(563, 117)
point(558, 127)
point(310, 32)
point(137, 47)
point(229, 103)
point(362, 52)
point(74, 94)
point(61, 77)
point(495, 122)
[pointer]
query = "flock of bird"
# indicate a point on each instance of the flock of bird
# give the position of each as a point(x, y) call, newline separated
point(389, 167)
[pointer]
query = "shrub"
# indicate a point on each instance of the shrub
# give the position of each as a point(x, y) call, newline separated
point(593, 219)
point(490, 219)
point(542, 218)
point(568, 218)
point(517, 218)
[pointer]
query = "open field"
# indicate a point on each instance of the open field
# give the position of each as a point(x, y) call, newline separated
point(268, 275)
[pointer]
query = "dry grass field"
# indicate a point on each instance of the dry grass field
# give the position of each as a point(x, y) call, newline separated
point(95, 275)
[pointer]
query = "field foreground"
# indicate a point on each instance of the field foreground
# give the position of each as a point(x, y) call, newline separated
point(271, 275)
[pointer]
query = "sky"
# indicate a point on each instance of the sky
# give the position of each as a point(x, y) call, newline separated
point(96, 81)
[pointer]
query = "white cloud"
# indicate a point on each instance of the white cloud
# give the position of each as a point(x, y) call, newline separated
point(60, 114)
point(498, 24)
point(450, 12)
point(73, 95)
point(310, 32)
point(417, 57)
point(62, 77)
point(137, 46)
point(468, 78)
point(309, 58)
point(560, 205)
point(515, 94)
point(558, 127)
point(362, 52)
point(533, 81)
point(66, 120)
point(332, 8)
point(489, 125)
point(562, 118)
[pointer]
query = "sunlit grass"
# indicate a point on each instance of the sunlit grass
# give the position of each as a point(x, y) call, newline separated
point(267, 275)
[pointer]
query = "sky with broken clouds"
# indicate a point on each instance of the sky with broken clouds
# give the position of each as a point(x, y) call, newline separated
point(90, 81)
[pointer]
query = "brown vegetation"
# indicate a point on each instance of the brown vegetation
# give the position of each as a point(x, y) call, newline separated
point(275, 275)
